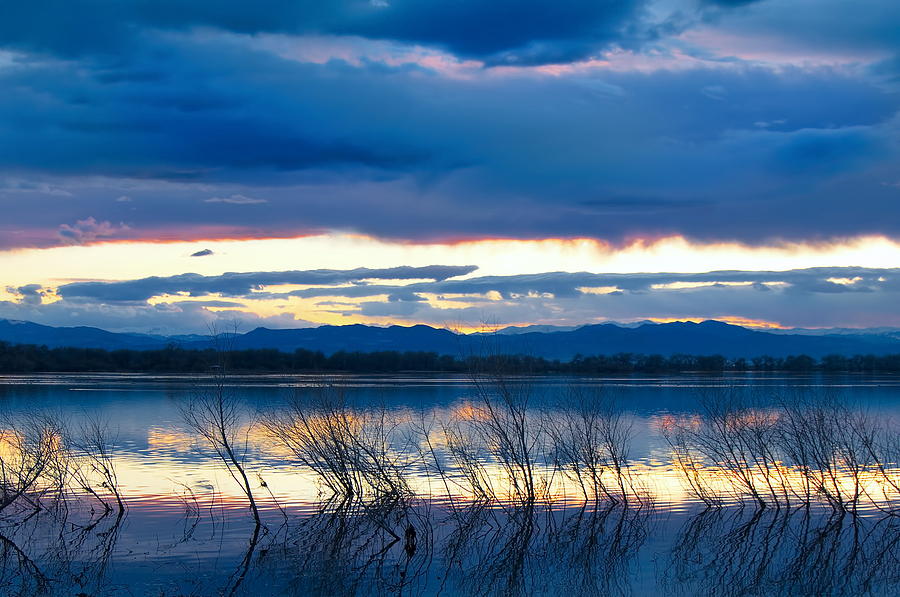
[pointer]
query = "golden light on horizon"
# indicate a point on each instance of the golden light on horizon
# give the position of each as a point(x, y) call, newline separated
point(732, 319)
point(137, 259)
point(112, 261)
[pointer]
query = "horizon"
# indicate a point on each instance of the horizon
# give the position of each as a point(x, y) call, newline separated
point(497, 329)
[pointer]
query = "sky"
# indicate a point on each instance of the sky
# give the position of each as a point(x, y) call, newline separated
point(166, 165)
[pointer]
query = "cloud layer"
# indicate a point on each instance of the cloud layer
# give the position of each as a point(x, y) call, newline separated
point(414, 119)
point(449, 295)
point(764, 122)
point(505, 31)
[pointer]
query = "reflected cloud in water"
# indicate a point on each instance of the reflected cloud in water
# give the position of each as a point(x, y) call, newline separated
point(445, 504)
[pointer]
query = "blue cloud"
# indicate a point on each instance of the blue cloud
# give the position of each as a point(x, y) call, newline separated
point(408, 155)
point(245, 283)
point(165, 102)
point(501, 31)
point(838, 296)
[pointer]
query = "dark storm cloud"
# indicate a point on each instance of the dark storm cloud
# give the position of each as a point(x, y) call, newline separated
point(224, 112)
point(404, 154)
point(203, 120)
point(500, 31)
point(242, 284)
point(506, 31)
point(182, 107)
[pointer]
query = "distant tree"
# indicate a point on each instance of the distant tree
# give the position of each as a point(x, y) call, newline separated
point(799, 363)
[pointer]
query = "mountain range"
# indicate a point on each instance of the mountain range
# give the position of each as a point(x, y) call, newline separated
point(708, 337)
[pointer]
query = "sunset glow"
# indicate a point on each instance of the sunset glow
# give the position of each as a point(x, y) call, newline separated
point(450, 297)
point(688, 138)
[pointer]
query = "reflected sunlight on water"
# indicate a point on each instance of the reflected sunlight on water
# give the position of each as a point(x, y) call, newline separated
point(187, 528)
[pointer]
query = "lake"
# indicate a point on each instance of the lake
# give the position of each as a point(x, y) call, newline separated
point(467, 518)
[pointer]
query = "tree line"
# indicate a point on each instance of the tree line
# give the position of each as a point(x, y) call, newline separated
point(26, 358)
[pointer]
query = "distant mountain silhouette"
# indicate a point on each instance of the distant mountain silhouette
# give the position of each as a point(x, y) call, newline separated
point(358, 337)
point(708, 337)
point(25, 332)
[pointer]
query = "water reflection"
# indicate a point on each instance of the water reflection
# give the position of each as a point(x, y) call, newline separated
point(342, 550)
point(785, 552)
point(449, 489)
point(530, 551)
point(40, 552)
point(352, 548)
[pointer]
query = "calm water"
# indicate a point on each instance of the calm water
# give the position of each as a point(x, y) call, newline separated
point(187, 530)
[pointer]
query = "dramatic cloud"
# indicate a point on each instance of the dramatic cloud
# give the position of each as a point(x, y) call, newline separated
point(767, 123)
point(568, 285)
point(815, 297)
point(242, 284)
point(610, 155)
point(30, 294)
point(501, 31)
point(424, 120)
point(89, 230)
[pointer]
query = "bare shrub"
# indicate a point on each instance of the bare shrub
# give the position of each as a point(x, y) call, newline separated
point(591, 439)
point(797, 449)
point(30, 452)
point(216, 415)
point(90, 449)
point(688, 460)
point(351, 449)
point(500, 428)
point(832, 445)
